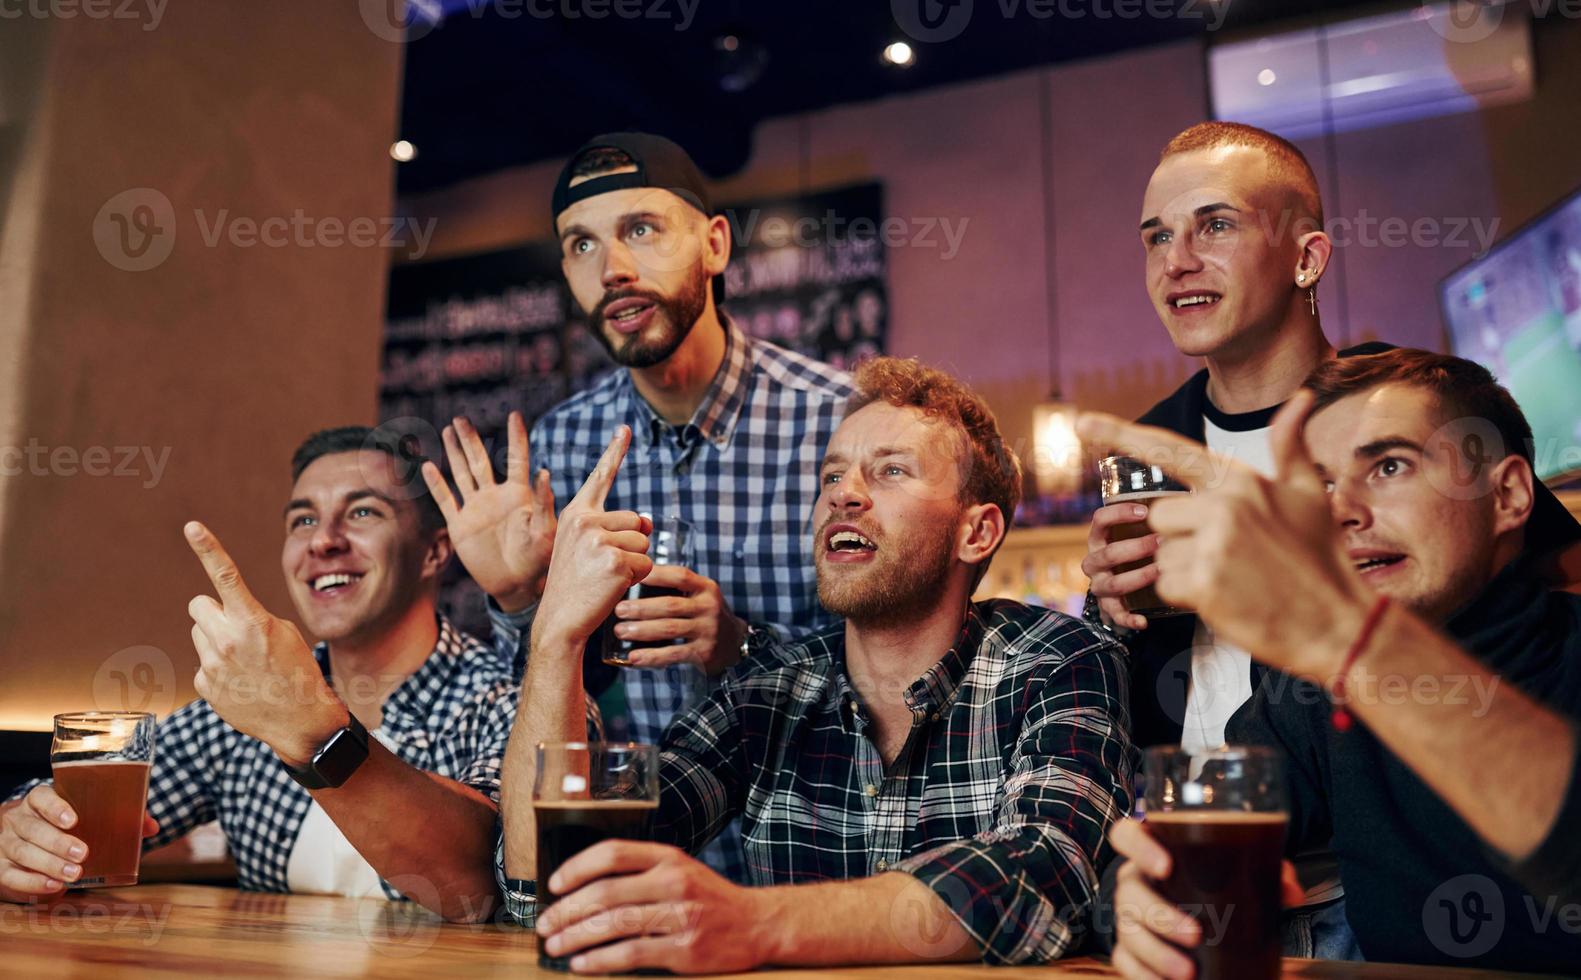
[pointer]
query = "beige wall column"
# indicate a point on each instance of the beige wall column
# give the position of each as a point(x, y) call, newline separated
point(184, 295)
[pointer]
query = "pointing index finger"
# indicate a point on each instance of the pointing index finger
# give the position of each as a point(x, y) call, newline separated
point(1188, 462)
point(222, 570)
point(1292, 462)
point(596, 490)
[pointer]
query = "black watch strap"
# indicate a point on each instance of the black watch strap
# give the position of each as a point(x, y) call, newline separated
point(333, 764)
point(756, 641)
point(1093, 616)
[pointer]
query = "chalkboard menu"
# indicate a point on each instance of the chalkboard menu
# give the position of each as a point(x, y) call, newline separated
point(482, 335)
point(808, 273)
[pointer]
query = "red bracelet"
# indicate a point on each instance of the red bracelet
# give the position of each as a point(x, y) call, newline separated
point(1341, 717)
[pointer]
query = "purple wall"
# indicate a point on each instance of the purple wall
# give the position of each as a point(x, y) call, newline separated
point(973, 154)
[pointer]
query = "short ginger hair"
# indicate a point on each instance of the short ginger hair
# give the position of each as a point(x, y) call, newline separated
point(991, 472)
point(1286, 162)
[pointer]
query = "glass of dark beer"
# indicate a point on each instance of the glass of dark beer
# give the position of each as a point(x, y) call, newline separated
point(669, 544)
point(101, 761)
point(1130, 481)
point(583, 794)
point(1221, 814)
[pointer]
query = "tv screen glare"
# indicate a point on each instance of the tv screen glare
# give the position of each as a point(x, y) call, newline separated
point(1517, 311)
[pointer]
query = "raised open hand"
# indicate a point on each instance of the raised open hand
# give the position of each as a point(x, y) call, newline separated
point(503, 532)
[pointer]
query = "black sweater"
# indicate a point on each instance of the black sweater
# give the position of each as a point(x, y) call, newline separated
point(1420, 886)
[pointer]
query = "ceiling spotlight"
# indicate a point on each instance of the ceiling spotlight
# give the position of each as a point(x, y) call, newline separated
point(1266, 77)
point(739, 60)
point(900, 55)
point(403, 151)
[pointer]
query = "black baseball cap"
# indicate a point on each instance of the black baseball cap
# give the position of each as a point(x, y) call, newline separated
point(660, 163)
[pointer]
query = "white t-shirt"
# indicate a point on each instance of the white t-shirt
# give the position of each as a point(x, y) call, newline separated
point(1221, 675)
point(323, 862)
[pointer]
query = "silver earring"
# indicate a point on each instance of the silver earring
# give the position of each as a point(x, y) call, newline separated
point(1312, 300)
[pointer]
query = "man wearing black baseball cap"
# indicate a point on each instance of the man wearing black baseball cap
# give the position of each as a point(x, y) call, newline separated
point(728, 433)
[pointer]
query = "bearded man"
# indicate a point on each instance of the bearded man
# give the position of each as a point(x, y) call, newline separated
point(930, 780)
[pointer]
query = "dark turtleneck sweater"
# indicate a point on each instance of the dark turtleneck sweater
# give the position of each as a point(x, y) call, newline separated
point(1420, 885)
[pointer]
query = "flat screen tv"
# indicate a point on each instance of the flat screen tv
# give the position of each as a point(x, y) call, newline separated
point(1517, 310)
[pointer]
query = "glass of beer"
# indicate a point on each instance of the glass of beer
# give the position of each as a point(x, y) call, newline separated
point(669, 544)
point(1130, 481)
point(101, 761)
point(1221, 814)
point(585, 793)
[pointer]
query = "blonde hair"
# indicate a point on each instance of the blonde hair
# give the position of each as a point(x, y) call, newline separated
point(1286, 162)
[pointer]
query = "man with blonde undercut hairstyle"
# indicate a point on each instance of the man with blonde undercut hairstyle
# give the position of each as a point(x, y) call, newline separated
point(1232, 233)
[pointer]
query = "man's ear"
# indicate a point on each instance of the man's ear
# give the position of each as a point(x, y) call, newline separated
point(716, 245)
point(982, 528)
point(1316, 248)
point(1512, 485)
point(438, 555)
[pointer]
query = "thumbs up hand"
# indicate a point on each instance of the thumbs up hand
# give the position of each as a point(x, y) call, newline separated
point(598, 556)
point(1259, 559)
point(255, 669)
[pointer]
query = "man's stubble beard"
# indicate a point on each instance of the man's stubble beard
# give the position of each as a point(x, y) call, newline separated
point(903, 587)
point(677, 315)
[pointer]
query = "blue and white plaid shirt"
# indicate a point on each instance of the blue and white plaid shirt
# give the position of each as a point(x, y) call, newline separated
point(452, 718)
point(1017, 763)
point(743, 472)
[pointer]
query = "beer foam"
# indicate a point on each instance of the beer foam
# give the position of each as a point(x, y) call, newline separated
point(596, 804)
point(99, 762)
point(1215, 816)
point(1125, 498)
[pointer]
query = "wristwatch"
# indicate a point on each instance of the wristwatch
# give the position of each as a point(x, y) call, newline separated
point(1093, 616)
point(754, 641)
point(333, 764)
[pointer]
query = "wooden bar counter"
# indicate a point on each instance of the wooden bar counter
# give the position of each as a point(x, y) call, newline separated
point(193, 930)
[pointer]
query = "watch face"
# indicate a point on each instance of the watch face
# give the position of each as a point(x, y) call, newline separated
point(760, 641)
point(338, 759)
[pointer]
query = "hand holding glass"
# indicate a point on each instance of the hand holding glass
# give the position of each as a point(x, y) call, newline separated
point(1222, 816)
point(101, 761)
point(669, 544)
point(584, 794)
point(1130, 481)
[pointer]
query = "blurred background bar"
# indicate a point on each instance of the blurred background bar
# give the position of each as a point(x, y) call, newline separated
point(226, 225)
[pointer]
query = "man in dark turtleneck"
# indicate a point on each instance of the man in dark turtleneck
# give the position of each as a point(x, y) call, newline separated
point(1396, 557)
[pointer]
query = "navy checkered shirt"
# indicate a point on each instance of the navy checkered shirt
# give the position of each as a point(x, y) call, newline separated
point(452, 718)
point(1017, 763)
point(743, 472)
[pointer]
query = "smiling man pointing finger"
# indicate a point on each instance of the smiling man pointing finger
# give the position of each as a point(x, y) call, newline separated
point(367, 765)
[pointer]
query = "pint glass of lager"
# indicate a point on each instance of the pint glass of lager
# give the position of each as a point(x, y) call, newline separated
point(101, 761)
point(585, 793)
point(1130, 481)
point(1221, 814)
